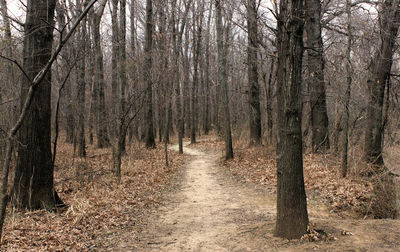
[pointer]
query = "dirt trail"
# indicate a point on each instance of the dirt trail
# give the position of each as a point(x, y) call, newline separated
point(211, 211)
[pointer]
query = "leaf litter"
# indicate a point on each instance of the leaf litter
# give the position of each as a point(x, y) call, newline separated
point(96, 203)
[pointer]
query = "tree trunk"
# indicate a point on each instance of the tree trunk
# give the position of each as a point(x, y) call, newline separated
point(254, 87)
point(315, 77)
point(122, 76)
point(115, 73)
point(292, 217)
point(222, 80)
point(80, 136)
point(380, 69)
point(193, 94)
point(345, 142)
point(150, 143)
point(33, 182)
point(100, 104)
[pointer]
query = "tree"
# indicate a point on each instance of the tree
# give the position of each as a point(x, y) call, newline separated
point(345, 142)
point(379, 75)
point(99, 83)
point(292, 216)
point(222, 81)
point(147, 69)
point(254, 88)
point(33, 181)
point(80, 134)
point(197, 50)
point(315, 76)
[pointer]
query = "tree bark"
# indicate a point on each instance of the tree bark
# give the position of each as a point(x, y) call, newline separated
point(150, 143)
point(345, 142)
point(222, 80)
point(122, 76)
point(380, 68)
point(292, 217)
point(315, 77)
point(33, 181)
point(115, 60)
point(193, 93)
point(99, 82)
point(254, 86)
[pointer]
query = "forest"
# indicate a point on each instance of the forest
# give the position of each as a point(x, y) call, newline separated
point(199, 125)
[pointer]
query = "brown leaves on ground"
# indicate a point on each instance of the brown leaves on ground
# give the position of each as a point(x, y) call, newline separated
point(97, 204)
point(321, 175)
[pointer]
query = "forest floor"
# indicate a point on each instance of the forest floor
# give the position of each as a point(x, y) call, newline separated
point(198, 203)
point(211, 209)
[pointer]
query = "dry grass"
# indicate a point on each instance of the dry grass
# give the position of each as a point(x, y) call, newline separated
point(321, 175)
point(96, 202)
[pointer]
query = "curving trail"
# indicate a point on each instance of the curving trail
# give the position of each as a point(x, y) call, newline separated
point(210, 211)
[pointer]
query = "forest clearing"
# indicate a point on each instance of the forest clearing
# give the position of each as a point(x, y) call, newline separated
point(199, 125)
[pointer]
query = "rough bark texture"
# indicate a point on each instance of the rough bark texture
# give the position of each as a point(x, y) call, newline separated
point(33, 182)
point(292, 217)
point(380, 69)
point(315, 77)
point(150, 142)
point(222, 81)
point(254, 88)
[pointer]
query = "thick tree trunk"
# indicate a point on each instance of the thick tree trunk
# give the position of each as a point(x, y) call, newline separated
point(315, 77)
point(254, 87)
point(222, 80)
point(33, 182)
point(150, 143)
point(380, 69)
point(292, 217)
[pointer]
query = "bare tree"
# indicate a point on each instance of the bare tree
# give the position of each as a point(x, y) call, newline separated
point(222, 81)
point(150, 143)
point(379, 70)
point(254, 87)
point(99, 82)
point(292, 216)
point(315, 76)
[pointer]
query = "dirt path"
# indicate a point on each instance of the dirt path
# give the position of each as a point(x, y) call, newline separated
point(210, 211)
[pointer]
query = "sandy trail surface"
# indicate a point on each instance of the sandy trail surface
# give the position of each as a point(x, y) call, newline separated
point(209, 210)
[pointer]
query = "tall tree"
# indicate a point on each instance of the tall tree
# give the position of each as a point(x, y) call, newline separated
point(222, 80)
point(150, 143)
point(33, 182)
point(99, 82)
point(292, 216)
point(315, 76)
point(252, 64)
point(115, 60)
point(197, 50)
point(379, 75)
point(206, 124)
point(80, 134)
point(122, 68)
point(345, 142)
